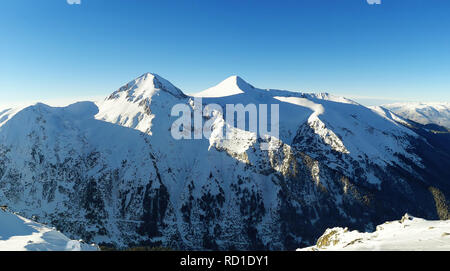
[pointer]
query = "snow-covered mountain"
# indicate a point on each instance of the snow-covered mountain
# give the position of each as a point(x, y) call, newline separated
point(424, 113)
point(408, 234)
point(111, 172)
point(18, 233)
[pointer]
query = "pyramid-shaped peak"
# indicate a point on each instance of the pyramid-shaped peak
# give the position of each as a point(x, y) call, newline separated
point(145, 86)
point(233, 85)
point(236, 81)
point(233, 78)
point(156, 81)
point(152, 76)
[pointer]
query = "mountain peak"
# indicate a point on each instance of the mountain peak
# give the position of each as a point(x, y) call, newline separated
point(235, 82)
point(233, 85)
point(146, 86)
point(152, 77)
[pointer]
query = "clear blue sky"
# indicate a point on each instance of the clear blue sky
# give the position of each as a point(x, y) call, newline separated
point(397, 50)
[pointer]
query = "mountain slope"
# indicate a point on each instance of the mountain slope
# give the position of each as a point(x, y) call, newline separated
point(408, 234)
point(231, 86)
point(129, 106)
point(111, 172)
point(424, 113)
point(18, 233)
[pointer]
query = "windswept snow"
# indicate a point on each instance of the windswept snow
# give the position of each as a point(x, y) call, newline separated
point(18, 233)
point(7, 114)
point(316, 108)
point(409, 233)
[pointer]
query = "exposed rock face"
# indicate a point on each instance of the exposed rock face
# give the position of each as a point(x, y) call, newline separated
point(111, 173)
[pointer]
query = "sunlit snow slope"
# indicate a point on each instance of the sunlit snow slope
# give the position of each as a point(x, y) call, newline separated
point(409, 233)
point(18, 233)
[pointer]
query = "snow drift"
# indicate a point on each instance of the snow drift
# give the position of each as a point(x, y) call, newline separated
point(18, 233)
point(409, 233)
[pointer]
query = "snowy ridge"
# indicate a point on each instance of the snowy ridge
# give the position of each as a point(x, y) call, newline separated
point(389, 115)
point(344, 125)
point(18, 233)
point(409, 233)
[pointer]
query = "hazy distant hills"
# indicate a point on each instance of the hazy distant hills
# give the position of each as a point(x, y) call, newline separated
point(424, 113)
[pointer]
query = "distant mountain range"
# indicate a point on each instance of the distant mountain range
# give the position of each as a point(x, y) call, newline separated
point(111, 173)
point(423, 113)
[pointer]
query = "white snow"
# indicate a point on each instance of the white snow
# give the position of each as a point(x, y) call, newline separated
point(409, 233)
point(7, 114)
point(18, 234)
point(424, 113)
point(388, 114)
point(343, 124)
point(233, 85)
point(129, 106)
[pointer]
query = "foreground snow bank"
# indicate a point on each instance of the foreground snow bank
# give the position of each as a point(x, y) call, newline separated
point(18, 233)
point(409, 233)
